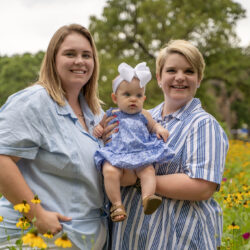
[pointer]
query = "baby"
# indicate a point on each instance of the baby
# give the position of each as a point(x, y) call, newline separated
point(136, 146)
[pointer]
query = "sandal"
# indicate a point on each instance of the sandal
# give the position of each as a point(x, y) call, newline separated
point(151, 203)
point(117, 210)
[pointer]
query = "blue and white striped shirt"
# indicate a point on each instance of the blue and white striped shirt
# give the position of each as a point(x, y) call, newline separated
point(200, 145)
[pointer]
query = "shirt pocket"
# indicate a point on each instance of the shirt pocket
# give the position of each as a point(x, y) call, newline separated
point(56, 163)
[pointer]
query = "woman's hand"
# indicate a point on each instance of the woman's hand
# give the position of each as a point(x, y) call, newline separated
point(109, 129)
point(48, 221)
point(15, 189)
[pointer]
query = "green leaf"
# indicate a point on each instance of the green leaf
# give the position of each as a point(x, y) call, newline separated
point(19, 242)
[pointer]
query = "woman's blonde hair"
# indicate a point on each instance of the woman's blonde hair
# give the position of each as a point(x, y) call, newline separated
point(49, 77)
point(185, 48)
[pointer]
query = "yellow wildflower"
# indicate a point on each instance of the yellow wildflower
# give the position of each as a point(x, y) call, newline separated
point(32, 239)
point(240, 196)
point(245, 164)
point(48, 235)
point(233, 226)
point(63, 242)
point(22, 207)
point(35, 200)
point(245, 204)
point(237, 199)
point(1, 218)
point(241, 175)
point(227, 199)
point(23, 223)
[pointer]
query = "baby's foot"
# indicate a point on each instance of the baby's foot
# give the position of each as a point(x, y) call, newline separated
point(151, 203)
point(118, 213)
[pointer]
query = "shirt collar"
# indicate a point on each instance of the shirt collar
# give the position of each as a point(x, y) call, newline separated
point(180, 114)
point(65, 110)
point(90, 118)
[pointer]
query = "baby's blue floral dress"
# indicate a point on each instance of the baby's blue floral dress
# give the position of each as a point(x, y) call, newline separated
point(133, 146)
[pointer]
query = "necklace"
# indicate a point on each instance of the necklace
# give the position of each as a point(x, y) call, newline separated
point(81, 115)
point(81, 119)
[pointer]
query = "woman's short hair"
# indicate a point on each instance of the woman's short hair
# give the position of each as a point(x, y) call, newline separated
point(185, 48)
point(49, 77)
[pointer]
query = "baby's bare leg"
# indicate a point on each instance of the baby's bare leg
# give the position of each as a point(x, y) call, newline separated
point(112, 180)
point(150, 201)
point(112, 177)
point(148, 180)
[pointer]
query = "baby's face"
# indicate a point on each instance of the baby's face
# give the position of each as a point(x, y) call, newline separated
point(130, 97)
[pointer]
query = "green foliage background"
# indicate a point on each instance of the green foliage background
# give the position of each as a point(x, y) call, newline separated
point(17, 72)
point(134, 30)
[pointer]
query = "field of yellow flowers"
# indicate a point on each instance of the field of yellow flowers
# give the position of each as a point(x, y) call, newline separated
point(233, 198)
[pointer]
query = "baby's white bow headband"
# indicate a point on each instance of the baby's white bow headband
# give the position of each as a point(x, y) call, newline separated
point(127, 73)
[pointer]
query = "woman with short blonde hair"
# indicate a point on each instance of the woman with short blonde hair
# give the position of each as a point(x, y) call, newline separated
point(185, 48)
point(189, 217)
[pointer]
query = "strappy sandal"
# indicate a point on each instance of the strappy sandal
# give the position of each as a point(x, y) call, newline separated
point(151, 203)
point(117, 210)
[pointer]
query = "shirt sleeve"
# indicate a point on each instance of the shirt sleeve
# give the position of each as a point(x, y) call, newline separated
point(19, 128)
point(205, 151)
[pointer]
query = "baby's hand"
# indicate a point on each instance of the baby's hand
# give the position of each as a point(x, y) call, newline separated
point(98, 131)
point(162, 133)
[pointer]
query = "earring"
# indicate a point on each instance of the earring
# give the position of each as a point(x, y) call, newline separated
point(159, 85)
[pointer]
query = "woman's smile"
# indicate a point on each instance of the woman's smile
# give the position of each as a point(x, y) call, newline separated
point(179, 87)
point(79, 71)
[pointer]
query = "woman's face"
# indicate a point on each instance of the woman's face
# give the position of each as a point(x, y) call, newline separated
point(74, 62)
point(178, 80)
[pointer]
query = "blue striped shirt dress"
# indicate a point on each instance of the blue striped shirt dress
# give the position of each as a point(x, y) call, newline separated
point(200, 147)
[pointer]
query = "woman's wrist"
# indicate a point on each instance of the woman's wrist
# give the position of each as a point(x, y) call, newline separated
point(35, 211)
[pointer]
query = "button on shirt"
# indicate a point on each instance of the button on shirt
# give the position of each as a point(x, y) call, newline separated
point(200, 147)
point(56, 160)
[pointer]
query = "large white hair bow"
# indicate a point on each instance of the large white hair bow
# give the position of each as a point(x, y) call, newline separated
point(127, 73)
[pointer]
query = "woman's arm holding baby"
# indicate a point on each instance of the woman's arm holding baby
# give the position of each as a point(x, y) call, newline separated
point(104, 130)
